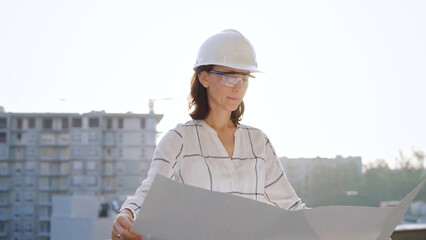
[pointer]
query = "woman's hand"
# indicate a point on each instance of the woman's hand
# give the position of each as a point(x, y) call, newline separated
point(122, 224)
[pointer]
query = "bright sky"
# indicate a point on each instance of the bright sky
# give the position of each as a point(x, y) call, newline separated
point(341, 77)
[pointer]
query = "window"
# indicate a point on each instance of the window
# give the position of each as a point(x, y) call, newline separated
point(30, 166)
point(2, 228)
point(143, 123)
point(19, 123)
point(28, 238)
point(76, 181)
point(108, 153)
point(45, 227)
point(93, 137)
point(44, 197)
point(91, 166)
point(16, 211)
point(109, 123)
point(44, 167)
point(29, 196)
point(120, 123)
point(64, 167)
point(109, 139)
point(17, 197)
point(3, 123)
point(46, 153)
point(64, 138)
point(93, 122)
point(3, 137)
point(18, 167)
point(2, 151)
point(3, 198)
point(65, 153)
point(19, 153)
point(4, 182)
point(109, 168)
point(19, 137)
point(142, 138)
point(29, 211)
point(92, 181)
point(45, 182)
point(28, 226)
point(47, 138)
point(77, 166)
point(16, 226)
point(108, 183)
point(3, 213)
point(75, 137)
point(17, 181)
point(64, 123)
point(93, 152)
point(76, 152)
point(31, 137)
point(76, 122)
point(4, 167)
point(120, 166)
point(47, 123)
point(31, 123)
point(29, 181)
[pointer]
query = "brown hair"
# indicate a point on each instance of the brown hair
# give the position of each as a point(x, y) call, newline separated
point(198, 98)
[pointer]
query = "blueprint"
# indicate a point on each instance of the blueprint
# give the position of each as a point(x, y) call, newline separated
point(175, 211)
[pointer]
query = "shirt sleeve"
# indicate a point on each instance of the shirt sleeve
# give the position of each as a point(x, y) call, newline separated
point(278, 190)
point(163, 162)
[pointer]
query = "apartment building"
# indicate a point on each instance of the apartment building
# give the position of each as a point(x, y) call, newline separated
point(47, 154)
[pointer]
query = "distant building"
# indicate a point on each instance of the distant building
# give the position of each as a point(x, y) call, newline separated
point(299, 171)
point(48, 154)
point(77, 217)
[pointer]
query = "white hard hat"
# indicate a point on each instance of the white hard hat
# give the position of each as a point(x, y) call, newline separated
point(228, 48)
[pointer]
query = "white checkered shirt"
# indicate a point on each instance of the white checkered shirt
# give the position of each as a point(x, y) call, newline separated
point(192, 154)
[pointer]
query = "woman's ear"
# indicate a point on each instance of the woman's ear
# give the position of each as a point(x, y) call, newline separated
point(202, 76)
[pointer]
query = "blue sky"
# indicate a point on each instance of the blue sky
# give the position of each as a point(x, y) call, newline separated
point(340, 77)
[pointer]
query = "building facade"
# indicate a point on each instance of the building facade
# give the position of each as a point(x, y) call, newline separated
point(321, 181)
point(47, 154)
point(300, 169)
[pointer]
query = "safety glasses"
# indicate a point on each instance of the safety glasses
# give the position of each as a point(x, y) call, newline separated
point(231, 79)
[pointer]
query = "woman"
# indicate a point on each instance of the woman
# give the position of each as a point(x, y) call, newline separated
point(213, 150)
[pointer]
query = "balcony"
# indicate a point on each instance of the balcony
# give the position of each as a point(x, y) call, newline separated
point(53, 160)
point(43, 234)
point(44, 218)
point(109, 143)
point(109, 174)
point(108, 188)
point(45, 204)
point(54, 174)
point(54, 188)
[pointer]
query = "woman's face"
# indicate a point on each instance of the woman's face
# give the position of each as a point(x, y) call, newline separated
point(221, 95)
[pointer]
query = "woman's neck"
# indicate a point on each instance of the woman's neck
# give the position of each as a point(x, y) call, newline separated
point(219, 121)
